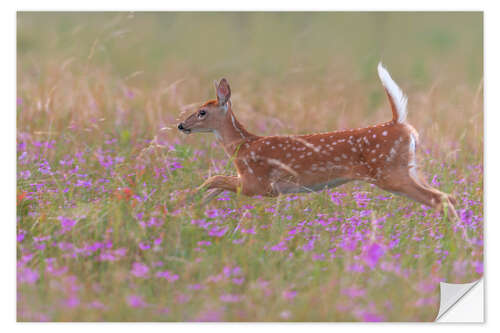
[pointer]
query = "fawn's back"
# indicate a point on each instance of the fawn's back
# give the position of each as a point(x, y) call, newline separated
point(315, 161)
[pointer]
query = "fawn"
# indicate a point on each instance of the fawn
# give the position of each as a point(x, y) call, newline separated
point(382, 154)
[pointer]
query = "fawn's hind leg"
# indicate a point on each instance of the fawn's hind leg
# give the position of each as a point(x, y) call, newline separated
point(421, 180)
point(407, 185)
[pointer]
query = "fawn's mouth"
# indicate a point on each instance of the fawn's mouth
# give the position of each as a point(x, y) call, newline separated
point(183, 129)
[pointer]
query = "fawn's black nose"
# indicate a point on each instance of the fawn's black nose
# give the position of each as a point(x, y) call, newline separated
point(180, 127)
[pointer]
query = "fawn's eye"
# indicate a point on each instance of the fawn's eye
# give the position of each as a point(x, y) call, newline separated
point(202, 113)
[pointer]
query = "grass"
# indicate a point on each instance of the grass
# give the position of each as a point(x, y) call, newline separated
point(101, 167)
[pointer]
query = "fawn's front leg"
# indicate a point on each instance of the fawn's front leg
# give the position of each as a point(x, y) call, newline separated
point(217, 184)
point(225, 183)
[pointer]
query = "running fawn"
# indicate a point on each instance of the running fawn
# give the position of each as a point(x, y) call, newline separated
point(382, 154)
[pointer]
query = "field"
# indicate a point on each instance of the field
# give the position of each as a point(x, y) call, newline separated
point(101, 233)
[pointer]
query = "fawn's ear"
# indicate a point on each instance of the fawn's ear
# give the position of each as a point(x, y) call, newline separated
point(223, 92)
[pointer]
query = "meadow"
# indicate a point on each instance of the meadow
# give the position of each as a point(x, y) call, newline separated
point(101, 167)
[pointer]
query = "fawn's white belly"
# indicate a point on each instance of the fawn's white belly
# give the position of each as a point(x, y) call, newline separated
point(287, 187)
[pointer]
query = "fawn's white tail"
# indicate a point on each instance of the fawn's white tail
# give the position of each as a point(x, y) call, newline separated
point(396, 96)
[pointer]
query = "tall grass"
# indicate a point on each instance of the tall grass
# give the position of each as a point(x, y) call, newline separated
point(101, 167)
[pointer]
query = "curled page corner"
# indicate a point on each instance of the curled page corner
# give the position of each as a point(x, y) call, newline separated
point(451, 293)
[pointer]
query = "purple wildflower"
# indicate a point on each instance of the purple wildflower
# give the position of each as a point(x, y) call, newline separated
point(21, 235)
point(372, 254)
point(136, 301)
point(478, 265)
point(169, 276)
point(144, 246)
point(289, 294)
point(353, 292)
point(371, 316)
point(336, 198)
point(66, 223)
point(27, 275)
point(139, 270)
point(230, 298)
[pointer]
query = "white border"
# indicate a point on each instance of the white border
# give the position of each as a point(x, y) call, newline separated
point(492, 108)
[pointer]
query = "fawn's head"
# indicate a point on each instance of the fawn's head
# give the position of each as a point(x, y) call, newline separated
point(210, 116)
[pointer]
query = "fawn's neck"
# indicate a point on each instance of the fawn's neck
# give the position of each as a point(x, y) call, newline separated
point(232, 134)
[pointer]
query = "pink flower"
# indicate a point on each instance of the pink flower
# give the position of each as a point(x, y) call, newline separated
point(478, 266)
point(356, 268)
point(136, 301)
point(27, 275)
point(169, 276)
point(289, 294)
point(285, 314)
point(72, 301)
point(353, 292)
point(309, 246)
point(210, 315)
point(21, 235)
point(372, 255)
point(336, 198)
point(144, 246)
point(371, 316)
point(139, 270)
point(230, 298)
point(238, 281)
point(280, 247)
point(66, 224)
point(425, 301)
point(96, 305)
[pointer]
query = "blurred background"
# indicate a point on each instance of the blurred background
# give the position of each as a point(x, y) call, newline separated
point(415, 45)
point(319, 66)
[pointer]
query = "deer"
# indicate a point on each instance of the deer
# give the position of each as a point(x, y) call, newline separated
point(269, 166)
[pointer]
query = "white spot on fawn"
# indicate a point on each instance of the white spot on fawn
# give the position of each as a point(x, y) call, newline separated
point(392, 153)
point(384, 133)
